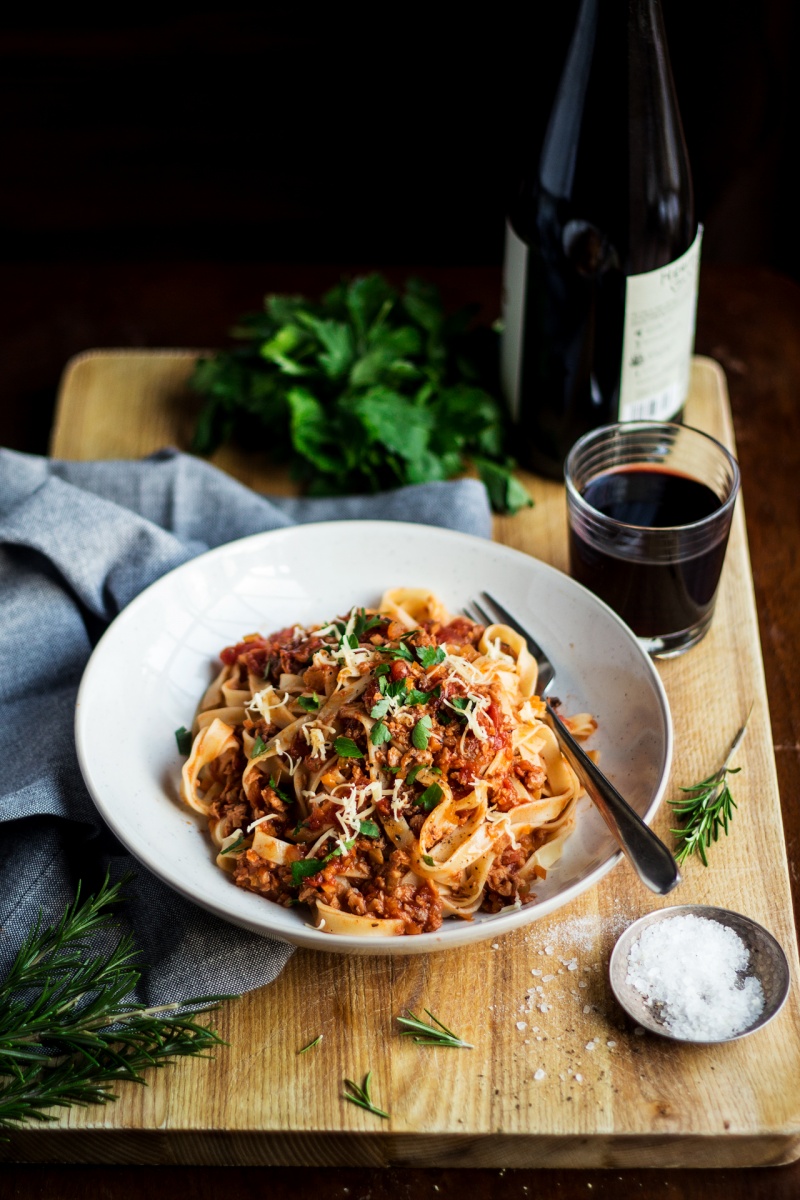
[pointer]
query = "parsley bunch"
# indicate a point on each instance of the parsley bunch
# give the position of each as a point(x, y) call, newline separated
point(368, 389)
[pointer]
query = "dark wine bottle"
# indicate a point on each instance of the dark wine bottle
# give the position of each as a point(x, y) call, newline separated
point(602, 245)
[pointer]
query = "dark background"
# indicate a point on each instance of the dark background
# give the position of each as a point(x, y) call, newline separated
point(389, 135)
point(160, 171)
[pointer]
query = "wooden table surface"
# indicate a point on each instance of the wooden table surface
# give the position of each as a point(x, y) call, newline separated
point(749, 321)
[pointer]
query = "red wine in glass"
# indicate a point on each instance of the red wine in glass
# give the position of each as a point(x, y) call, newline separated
point(656, 595)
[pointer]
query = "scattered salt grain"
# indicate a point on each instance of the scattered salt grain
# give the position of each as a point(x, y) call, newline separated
point(579, 1079)
point(548, 949)
point(582, 983)
point(522, 1025)
point(539, 1075)
point(587, 1008)
point(547, 978)
point(611, 1044)
point(535, 972)
point(590, 1045)
point(692, 973)
point(495, 945)
point(544, 1008)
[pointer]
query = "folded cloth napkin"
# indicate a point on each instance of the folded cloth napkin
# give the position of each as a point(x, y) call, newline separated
point(77, 542)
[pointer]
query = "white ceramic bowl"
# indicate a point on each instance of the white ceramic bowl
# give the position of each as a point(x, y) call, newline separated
point(147, 673)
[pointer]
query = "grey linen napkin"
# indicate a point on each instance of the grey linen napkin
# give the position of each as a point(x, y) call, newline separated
point(77, 542)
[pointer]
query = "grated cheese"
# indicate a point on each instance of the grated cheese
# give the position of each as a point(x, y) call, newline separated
point(314, 733)
point(264, 706)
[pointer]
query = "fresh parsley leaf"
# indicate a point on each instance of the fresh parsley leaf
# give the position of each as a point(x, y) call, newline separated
point(420, 734)
point(416, 697)
point(506, 494)
point(429, 656)
point(310, 703)
point(369, 829)
point(401, 651)
point(430, 797)
point(345, 747)
point(340, 850)
point(381, 708)
point(382, 670)
point(184, 739)
point(284, 796)
point(426, 858)
point(414, 772)
point(259, 746)
point(380, 733)
point(303, 868)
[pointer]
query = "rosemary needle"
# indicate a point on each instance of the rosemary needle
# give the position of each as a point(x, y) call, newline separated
point(434, 1033)
point(707, 807)
point(310, 1045)
point(361, 1096)
point(67, 1031)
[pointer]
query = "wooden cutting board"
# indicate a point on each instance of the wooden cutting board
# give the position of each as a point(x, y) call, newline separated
point(611, 1096)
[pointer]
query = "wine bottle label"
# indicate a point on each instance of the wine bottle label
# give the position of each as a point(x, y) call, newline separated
point(515, 267)
point(658, 338)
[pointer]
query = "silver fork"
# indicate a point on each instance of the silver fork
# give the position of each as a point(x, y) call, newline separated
point(650, 858)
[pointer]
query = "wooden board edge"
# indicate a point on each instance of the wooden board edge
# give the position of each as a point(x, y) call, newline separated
point(73, 367)
point(495, 1150)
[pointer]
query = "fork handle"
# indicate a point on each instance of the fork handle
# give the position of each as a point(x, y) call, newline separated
point(649, 857)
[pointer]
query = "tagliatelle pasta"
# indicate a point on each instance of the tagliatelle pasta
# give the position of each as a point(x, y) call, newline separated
point(388, 769)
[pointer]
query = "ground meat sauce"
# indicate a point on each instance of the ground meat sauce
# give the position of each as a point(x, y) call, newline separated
point(412, 686)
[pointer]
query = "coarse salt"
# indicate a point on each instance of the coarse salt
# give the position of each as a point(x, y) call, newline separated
point(692, 973)
point(539, 1075)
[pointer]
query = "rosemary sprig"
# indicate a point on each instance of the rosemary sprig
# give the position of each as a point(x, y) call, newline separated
point(707, 807)
point(310, 1045)
point(66, 1030)
point(361, 1097)
point(427, 1034)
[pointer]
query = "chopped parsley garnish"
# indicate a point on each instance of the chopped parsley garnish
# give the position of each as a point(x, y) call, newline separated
point(381, 708)
point(234, 846)
point(429, 656)
point(415, 696)
point(302, 868)
point(414, 772)
point(430, 797)
point(340, 850)
point(382, 669)
point(396, 688)
point(426, 858)
point(420, 734)
point(284, 796)
point(380, 733)
point(369, 829)
point(259, 746)
point(345, 747)
point(364, 624)
point(310, 703)
point(184, 739)
point(401, 651)
point(461, 702)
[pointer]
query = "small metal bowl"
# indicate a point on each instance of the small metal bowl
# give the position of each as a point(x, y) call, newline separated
point(767, 962)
